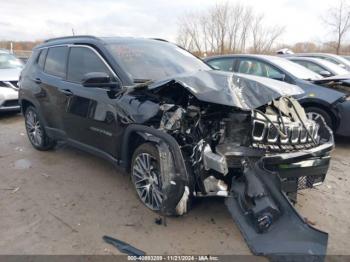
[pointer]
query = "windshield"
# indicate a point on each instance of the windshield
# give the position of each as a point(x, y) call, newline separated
point(8, 61)
point(296, 70)
point(334, 68)
point(154, 60)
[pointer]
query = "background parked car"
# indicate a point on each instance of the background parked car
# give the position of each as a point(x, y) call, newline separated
point(10, 68)
point(319, 100)
point(347, 57)
point(335, 59)
point(319, 66)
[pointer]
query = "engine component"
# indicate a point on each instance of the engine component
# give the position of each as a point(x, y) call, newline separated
point(214, 161)
point(215, 187)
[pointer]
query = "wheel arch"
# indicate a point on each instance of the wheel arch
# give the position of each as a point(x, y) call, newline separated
point(136, 134)
point(25, 104)
point(177, 187)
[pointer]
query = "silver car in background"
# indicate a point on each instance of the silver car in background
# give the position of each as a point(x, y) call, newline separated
point(10, 69)
point(319, 66)
point(335, 59)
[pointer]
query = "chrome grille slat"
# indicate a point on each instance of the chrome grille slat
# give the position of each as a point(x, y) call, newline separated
point(265, 136)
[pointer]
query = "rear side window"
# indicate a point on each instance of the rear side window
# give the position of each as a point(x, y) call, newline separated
point(83, 60)
point(41, 59)
point(55, 63)
point(254, 67)
point(224, 64)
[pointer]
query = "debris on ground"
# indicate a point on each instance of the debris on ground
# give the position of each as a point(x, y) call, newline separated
point(123, 247)
point(15, 190)
point(45, 175)
point(158, 220)
point(64, 222)
point(23, 164)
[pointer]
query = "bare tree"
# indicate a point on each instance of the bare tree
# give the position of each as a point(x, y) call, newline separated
point(338, 19)
point(226, 28)
point(264, 36)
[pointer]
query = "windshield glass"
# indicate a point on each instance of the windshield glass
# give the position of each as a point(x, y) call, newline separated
point(154, 60)
point(296, 70)
point(334, 68)
point(8, 61)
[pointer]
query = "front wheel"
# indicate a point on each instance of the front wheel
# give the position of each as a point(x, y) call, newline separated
point(155, 189)
point(36, 131)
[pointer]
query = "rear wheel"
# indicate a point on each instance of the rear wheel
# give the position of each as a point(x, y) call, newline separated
point(36, 131)
point(315, 113)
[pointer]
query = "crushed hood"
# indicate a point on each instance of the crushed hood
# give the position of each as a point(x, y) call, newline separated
point(242, 91)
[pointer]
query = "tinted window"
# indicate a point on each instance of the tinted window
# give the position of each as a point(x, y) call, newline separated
point(312, 66)
point(41, 59)
point(82, 60)
point(225, 64)
point(55, 63)
point(255, 67)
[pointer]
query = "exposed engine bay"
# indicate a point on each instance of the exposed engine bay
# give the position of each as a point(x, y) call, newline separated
point(218, 140)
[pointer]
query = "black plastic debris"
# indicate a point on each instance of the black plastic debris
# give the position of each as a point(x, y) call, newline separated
point(158, 220)
point(123, 247)
point(288, 237)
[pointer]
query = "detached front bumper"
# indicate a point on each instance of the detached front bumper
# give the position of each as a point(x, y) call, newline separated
point(300, 170)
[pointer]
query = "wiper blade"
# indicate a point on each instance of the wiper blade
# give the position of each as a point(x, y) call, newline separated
point(141, 81)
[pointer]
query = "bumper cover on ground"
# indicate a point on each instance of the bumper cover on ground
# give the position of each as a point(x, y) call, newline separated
point(288, 236)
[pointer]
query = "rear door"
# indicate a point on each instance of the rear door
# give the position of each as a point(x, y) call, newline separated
point(90, 112)
point(52, 63)
point(252, 66)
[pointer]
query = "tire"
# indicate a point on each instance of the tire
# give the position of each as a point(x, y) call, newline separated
point(36, 130)
point(314, 112)
point(149, 182)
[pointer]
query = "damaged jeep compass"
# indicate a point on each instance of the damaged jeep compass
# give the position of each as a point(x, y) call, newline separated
point(182, 130)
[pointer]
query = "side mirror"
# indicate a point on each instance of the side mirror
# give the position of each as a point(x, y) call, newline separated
point(325, 73)
point(99, 79)
point(279, 77)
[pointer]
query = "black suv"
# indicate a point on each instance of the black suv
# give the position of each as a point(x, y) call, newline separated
point(181, 129)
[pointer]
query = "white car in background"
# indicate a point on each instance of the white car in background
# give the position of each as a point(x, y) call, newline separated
point(10, 69)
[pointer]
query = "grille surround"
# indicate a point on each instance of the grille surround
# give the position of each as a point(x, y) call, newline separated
point(264, 137)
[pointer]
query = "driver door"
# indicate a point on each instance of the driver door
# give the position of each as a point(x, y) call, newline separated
point(90, 117)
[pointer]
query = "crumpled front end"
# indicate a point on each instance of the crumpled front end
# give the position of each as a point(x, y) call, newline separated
point(256, 151)
point(258, 160)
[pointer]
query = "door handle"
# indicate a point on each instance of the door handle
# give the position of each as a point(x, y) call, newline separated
point(67, 92)
point(37, 80)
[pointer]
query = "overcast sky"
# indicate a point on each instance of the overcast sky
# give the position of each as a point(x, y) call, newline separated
point(42, 19)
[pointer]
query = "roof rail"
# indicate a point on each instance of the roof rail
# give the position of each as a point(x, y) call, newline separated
point(70, 37)
point(160, 39)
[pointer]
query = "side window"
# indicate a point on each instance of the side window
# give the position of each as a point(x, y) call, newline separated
point(224, 64)
point(41, 58)
point(314, 67)
point(251, 67)
point(55, 63)
point(83, 60)
point(258, 68)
